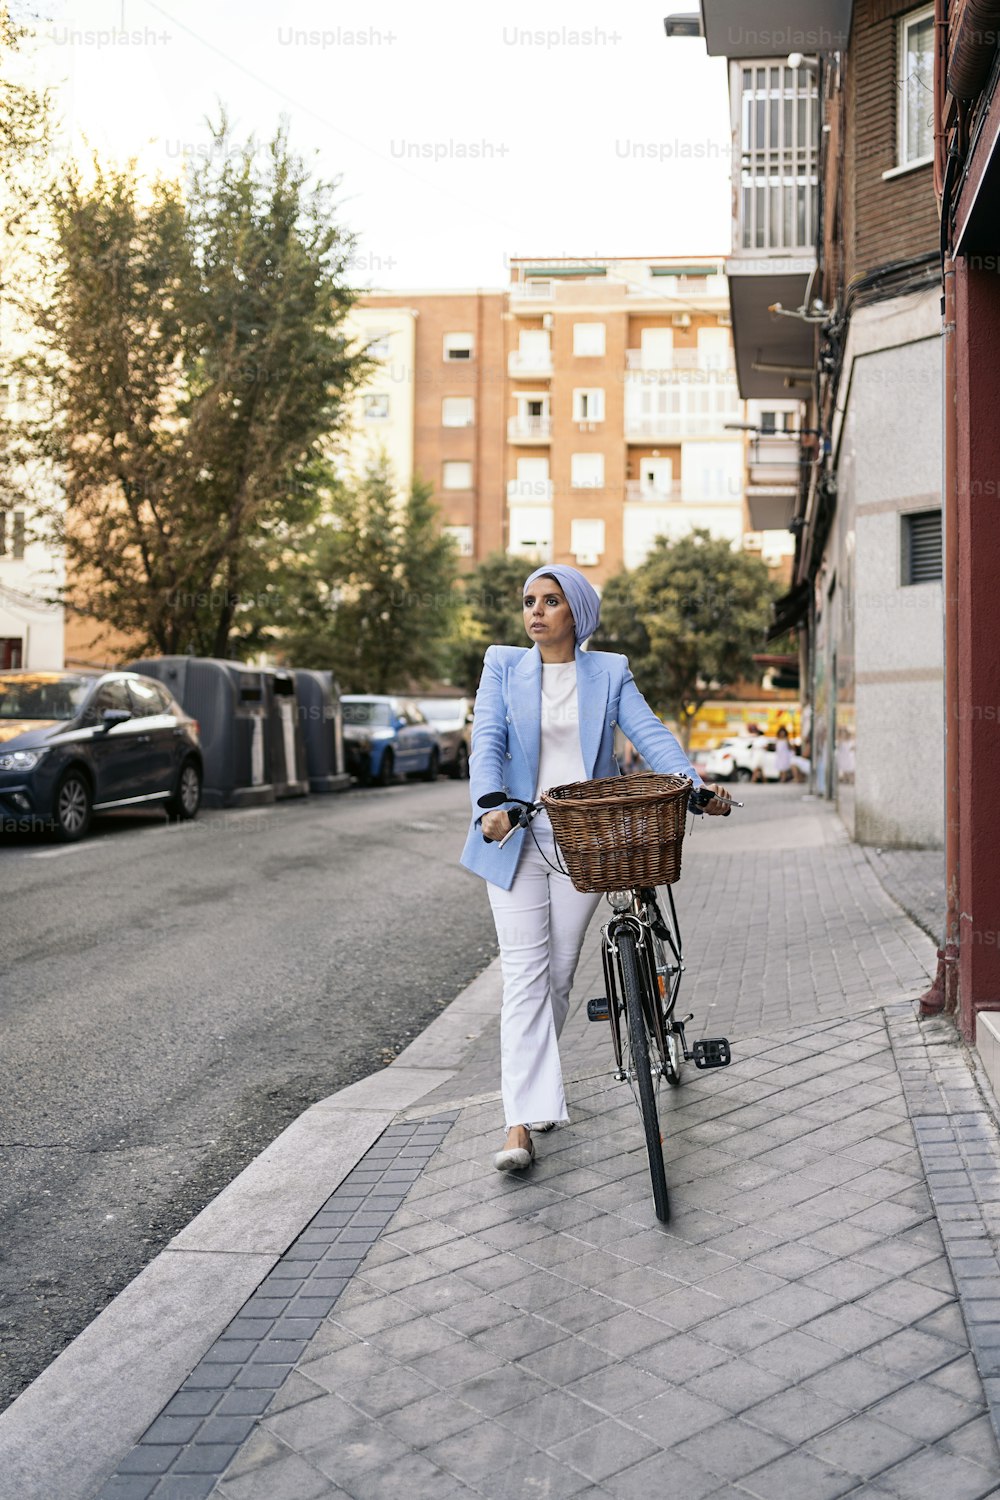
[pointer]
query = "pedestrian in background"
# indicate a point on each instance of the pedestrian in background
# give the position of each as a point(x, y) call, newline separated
point(546, 715)
point(783, 755)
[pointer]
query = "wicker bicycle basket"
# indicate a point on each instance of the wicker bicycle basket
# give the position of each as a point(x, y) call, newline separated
point(620, 831)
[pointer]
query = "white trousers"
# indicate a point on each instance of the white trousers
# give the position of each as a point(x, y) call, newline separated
point(541, 922)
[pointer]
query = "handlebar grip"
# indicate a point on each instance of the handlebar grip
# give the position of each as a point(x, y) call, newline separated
point(513, 817)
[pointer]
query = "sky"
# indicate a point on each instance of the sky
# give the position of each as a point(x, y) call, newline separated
point(462, 134)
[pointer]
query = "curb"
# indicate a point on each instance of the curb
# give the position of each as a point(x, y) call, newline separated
point(78, 1419)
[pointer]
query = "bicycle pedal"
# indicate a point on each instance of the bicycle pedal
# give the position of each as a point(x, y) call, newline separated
point(597, 1009)
point(711, 1052)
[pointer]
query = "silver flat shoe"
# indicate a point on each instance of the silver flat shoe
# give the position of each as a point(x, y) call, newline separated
point(543, 1126)
point(516, 1159)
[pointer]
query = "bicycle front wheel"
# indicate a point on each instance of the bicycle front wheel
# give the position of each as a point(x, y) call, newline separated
point(641, 1070)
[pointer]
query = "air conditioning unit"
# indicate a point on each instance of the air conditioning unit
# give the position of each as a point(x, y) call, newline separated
point(681, 320)
point(588, 559)
point(725, 321)
point(546, 320)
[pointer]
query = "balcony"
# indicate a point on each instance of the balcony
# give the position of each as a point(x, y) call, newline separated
point(529, 363)
point(638, 489)
point(531, 291)
point(773, 28)
point(683, 361)
point(523, 429)
point(530, 491)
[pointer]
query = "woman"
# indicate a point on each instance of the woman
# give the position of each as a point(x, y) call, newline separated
point(545, 716)
point(783, 755)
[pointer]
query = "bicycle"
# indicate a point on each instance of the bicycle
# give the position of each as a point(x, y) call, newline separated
point(643, 964)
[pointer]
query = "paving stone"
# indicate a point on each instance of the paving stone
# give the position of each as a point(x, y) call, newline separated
point(662, 1474)
point(796, 1475)
point(935, 1473)
point(736, 1384)
point(924, 1413)
point(604, 1449)
point(289, 1478)
point(483, 1449)
point(732, 1449)
point(795, 1414)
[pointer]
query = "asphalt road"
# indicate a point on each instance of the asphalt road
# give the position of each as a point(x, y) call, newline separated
point(171, 997)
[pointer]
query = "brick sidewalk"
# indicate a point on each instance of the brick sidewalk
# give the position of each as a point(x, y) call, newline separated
point(441, 1330)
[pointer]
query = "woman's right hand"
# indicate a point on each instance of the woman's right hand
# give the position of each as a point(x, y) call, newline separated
point(495, 825)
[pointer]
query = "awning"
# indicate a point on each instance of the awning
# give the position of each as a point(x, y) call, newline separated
point(773, 28)
point(790, 610)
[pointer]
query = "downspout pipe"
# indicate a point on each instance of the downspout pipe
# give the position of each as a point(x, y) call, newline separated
point(942, 997)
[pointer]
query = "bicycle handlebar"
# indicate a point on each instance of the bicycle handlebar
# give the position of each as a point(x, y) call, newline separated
point(698, 798)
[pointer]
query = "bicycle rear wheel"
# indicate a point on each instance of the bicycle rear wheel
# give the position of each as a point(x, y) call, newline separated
point(639, 1053)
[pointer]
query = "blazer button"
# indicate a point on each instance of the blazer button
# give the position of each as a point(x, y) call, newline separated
point(509, 756)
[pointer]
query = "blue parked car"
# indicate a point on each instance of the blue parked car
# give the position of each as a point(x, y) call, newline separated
point(385, 736)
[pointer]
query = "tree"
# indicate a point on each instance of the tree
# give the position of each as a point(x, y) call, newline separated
point(199, 366)
point(689, 619)
point(25, 150)
point(376, 600)
point(490, 614)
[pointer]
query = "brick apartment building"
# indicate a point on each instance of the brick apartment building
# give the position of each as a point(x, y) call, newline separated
point(575, 416)
point(835, 301)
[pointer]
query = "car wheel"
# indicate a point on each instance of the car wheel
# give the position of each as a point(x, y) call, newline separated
point(433, 767)
point(73, 807)
point(743, 773)
point(186, 799)
point(460, 770)
point(385, 769)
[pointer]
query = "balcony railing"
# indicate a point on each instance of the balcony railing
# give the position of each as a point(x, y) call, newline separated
point(530, 491)
point(529, 429)
point(527, 362)
point(682, 360)
point(640, 489)
point(538, 291)
point(661, 412)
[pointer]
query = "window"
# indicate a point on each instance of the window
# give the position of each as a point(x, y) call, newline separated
point(149, 699)
point(587, 541)
point(12, 534)
point(376, 408)
point(462, 536)
point(769, 421)
point(587, 471)
point(457, 411)
point(712, 471)
point(657, 348)
point(779, 126)
point(588, 338)
point(588, 406)
point(456, 474)
point(921, 539)
point(378, 343)
point(714, 346)
point(458, 346)
point(916, 87)
point(113, 694)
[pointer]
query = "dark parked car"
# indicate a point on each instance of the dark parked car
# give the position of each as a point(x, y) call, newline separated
point(76, 743)
point(451, 718)
point(385, 736)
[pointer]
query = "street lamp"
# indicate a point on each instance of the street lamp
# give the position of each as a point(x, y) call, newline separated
point(683, 25)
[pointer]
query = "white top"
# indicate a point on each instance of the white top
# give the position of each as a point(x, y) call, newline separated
point(560, 758)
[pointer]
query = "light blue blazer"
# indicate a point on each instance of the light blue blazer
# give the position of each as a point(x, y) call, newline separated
point(506, 735)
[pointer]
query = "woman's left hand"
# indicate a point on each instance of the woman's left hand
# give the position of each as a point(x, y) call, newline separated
point(719, 805)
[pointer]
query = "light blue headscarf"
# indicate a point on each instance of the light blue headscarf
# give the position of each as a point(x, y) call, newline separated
point(583, 599)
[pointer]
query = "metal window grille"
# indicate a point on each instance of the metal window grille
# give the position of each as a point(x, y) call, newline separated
point(779, 129)
point(921, 546)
